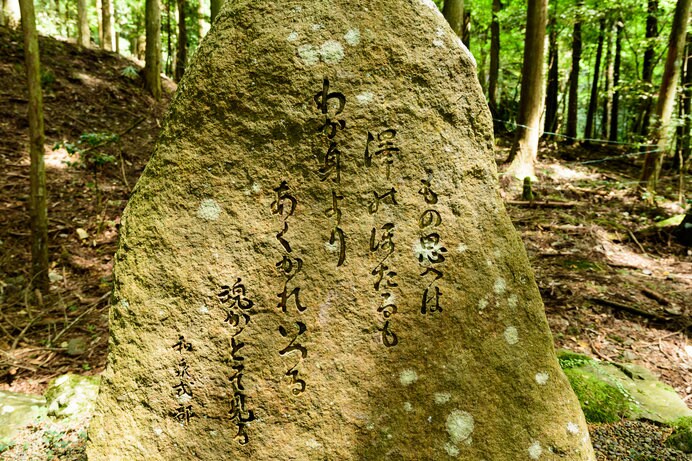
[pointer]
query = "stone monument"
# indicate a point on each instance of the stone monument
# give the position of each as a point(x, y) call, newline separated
point(316, 263)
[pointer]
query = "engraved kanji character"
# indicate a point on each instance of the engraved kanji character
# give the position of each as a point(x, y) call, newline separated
point(385, 148)
point(338, 235)
point(429, 218)
point(284, 296)
point(182, 345)
point(382, 272)
point(389, 338)
point(426, 191)
point(375, 204)
point(323, 97)
point(386, 240)
point(332, 126)
point(292, 346)
point(284, 204)
point(432, 249)
point(183, 413)
point(331, 164)
point(431, 302)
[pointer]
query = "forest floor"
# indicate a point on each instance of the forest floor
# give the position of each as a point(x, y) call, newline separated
point(615, 286)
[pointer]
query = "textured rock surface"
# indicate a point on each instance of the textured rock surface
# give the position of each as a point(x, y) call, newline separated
point(316, 264)
point(18, 411)
point(72, 396)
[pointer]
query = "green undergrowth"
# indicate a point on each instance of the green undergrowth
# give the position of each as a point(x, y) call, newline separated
point(681, 439)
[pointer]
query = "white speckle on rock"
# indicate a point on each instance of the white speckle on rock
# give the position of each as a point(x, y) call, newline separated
point(184, 398)
point(572, 428)
point(500, 286)
point(440, 32)
point(442, 397)
point(428, 252)
point(352, 37)
point(488, 263)
point(313, 444)
point(309, 54)
point(125, 303)
point(256, 188)
point(482, 304)
point(203, 309)
point(535, 450)
point(317, 26)
point(438, 43)
point(292, 37)
point(209, 210)
point(7, 409)
point(513, 301)
point(408, 377)
point(542, 377)
point(451, 450)
point(459, 426)
point(158, 431)
point(511, 335)
point(408, 407)
point(332, 247)
point(462, 248)
point(364, 98)
point(332, 52)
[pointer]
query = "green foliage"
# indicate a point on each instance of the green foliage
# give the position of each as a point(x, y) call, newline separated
point(569, 359)
point(47, 78)
point(600, 402)
point(130, 72)
point(87, 150)
point(681, 439)
point(6, 444)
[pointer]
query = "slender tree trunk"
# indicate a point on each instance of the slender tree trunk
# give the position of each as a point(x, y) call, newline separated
point(494, 75)
point(593, 99)
point(169, 39)
point(83, 32)
point(152, 66)
point(615, 108)
point(10, 15)
point(646, 105)
point(553, 89)
point(215, 7)
point(608, 85)
point(666, 99)
point(687, 106)
point(99, 20)
point(466, 36)
point(573, 104)
point(201, 24)
point(453, 11)
point(106, 14)
point(181, 57)
point(37, 170)
point(525, 148)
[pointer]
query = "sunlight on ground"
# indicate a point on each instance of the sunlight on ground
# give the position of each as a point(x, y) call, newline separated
point(558, 171)
point(58, 158)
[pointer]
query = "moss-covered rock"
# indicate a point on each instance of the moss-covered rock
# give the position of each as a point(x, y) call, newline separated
point(600, 401)
point(18, 411)
point(72, 396)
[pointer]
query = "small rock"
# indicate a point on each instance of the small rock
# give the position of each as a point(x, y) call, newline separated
point(76, 346)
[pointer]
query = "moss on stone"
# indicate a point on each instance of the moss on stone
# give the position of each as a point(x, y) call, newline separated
point(569, 359)
point(600, 401)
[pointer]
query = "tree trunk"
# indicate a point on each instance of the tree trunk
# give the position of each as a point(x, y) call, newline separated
point(83, 32)
point(466, 35)
point(169, 39)
point(608, 85)
point(494, 59)
point(615, 105)
point(525, 148)
point(687, 106)
point(107, 15)
point(573, 104)
point(99, 20)
point(181, 57)
point(666, 100)
point(37, 169)
point(9, 14)
point(648, 68)
point(453, 11)
point(152, 67)
point(593, 99)
point(551, 98)
point(215, 7)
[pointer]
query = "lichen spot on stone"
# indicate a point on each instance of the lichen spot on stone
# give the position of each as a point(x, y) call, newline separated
point(203, 309)
point(572, 428)
point(438, 43)
point(6, 409)
point(313, 444)
point(292, 37)
point(535, 450)
point(317, 27)
point(408, 407)
point(451, 450)
point(482, 304)
point(308, 54)
point(364, 98)
point(500, 286)
point(442, 397)
point(459, 426)
point(462, 248)
point(158, 431)
point(513, 301)
point(542, 378)
point(511, 335)
point(352, 37)
point(440, 32)
point(209, 210)
point(332, 52)
point(408, 377)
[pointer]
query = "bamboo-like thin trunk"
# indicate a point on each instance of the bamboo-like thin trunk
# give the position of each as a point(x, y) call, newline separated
point(152, 53)
point(573, 104)
point(553, 89)
point(494, 71)
point(83, 32)
point(615, 105)
point(181, 56)
point(37, 169)
point(593, 99)
point(107, 15)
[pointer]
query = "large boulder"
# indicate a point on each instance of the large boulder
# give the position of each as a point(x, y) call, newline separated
point(316, 263)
